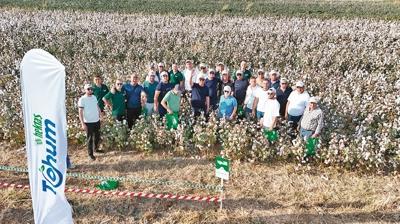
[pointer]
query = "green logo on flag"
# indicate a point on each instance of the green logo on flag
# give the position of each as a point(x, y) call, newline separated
point(222, 168)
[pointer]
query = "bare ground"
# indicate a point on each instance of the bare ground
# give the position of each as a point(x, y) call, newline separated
point(256, 193)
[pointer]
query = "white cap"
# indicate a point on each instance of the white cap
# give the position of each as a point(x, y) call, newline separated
point(274, 72)
point(160, 64)
point(284, 80)
point(163, 73)
point(299, 84)
point(313, 99)
point(201, 76)
point(211, 70)
point(87, 86)
point(225, 72)
point(260, 70)
point(202, 65)
point(239, 72)
point(272, 90)
point(227, 88)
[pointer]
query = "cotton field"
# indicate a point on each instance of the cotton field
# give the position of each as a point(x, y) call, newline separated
point(353, 65)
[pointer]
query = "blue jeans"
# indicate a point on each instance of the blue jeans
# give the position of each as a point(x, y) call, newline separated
point(260, 114)
point(305, 134)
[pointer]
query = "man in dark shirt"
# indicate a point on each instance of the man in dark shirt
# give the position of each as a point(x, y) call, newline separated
point(99, 91)
point(240, 88)
point(163, 88)
point(225, 81)
point(282, 95)
point(213, 83)
point(274, 79)
point(133, 92)
point(200, 96)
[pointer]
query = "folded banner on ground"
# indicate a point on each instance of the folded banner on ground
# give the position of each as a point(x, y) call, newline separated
point(43, 97)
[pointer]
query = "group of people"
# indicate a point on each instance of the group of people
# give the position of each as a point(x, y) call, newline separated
point(263, 97)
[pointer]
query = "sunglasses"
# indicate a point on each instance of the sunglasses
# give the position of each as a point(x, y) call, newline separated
point(202, 80)
point(89, 89)
point(239, 74)
point(226, 91)
point(203, 68)
point(119, 84)
point(270, 93)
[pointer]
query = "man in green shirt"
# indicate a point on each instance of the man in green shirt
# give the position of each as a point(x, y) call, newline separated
point(172, 100)
point(150, 89)
point(115, 100)
point(99, 91)
point(176, 77)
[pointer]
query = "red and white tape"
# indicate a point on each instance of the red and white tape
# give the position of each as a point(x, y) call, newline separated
point(127, 193)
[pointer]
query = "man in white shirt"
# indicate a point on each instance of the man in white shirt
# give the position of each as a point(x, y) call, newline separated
point(187, 73)
point(250, 95)
point(260, 99)
point(297, 103)
point(89, 116)
point(271, 110)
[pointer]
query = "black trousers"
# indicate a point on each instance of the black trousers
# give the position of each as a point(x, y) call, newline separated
point(93, 136)
point(133, 115)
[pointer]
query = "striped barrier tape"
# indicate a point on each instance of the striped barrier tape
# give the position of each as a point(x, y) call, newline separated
point(127, 193)
point(185, 184)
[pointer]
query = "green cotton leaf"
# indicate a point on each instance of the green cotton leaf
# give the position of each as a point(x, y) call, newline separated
point(41, 169)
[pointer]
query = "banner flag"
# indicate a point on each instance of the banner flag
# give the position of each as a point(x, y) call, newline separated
point(43, 99)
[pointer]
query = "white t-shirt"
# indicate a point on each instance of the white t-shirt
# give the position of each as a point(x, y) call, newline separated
point(187, 73)
point(297, 103)
point(262, 96)
point(271, 110)
point(90, 108)
point(250, 95)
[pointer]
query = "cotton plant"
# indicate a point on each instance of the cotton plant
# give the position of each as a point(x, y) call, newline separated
point(353, 65)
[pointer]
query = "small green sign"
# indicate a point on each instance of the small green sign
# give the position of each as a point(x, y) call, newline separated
point(222, 168)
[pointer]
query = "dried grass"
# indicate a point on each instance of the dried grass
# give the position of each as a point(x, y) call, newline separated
point(257, 193)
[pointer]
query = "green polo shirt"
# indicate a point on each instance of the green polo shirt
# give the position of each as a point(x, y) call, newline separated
point(99, 93)
point(173, 100)
point(118, 103)
point(175, 78)
point(150, 90)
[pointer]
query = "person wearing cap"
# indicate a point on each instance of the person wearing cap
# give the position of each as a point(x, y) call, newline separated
point(89, 116)
point(99, 91)
point(175, 76)
point(115, 100)
point(312, 121)
point(219, 68)
point(189, 73)
point(296, 104)
point(213, 85)
point(227, 105)
point(282, 95)
point(162, 89)
point(260, 78)
point(240, 88)
point(250, 95)
point(226, 81)
point(172, 100)
point(244, 71)
point(271, 110)
point(160, 69)
point(133, 93)
point(152, 69)
point(203, 70)
point(149, 88)
point(200, 96)
point(274, 81)
point(259, 100)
